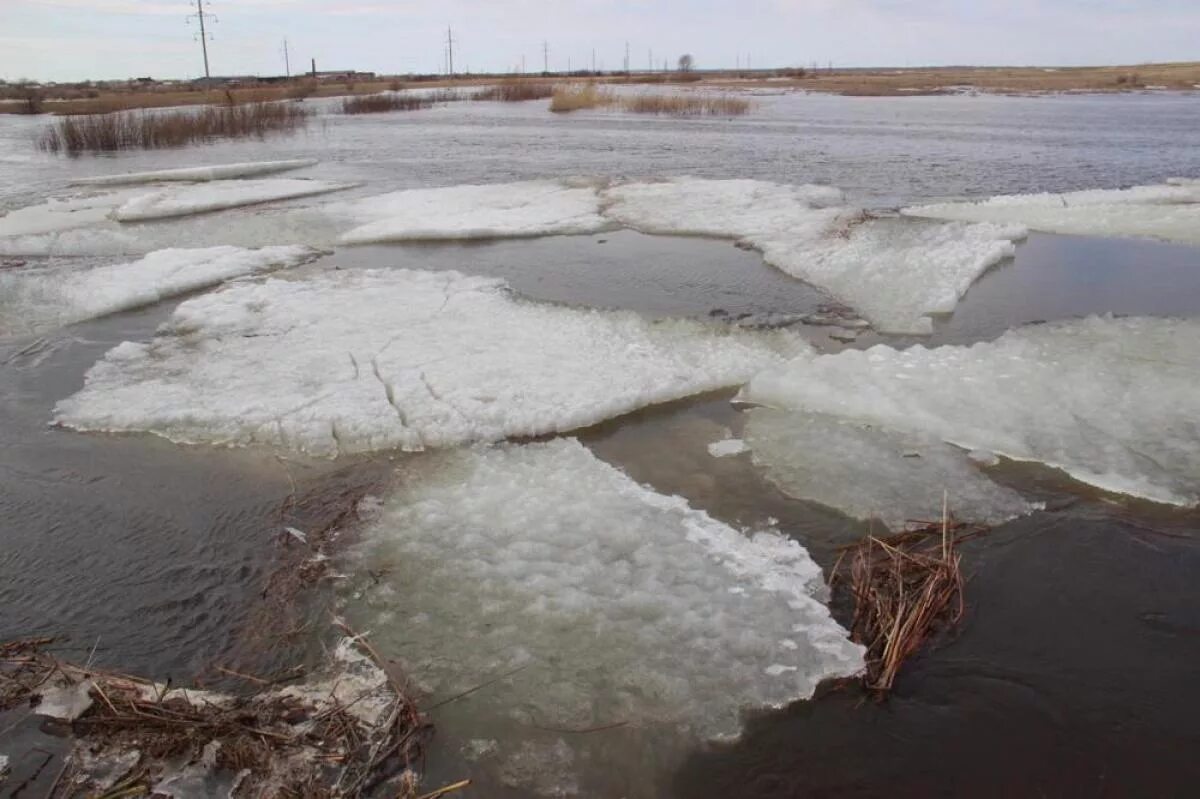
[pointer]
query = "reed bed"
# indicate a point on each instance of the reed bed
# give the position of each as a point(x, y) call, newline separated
point(517, 91)
point(686, 106)
point(75, 135)
point(581, 96)
point(905, 587)
point(382, 103)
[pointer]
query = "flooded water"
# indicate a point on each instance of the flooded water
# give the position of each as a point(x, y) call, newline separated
point(1073, 673)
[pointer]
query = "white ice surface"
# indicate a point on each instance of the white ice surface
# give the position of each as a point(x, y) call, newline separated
point(727, 447)
point(1111, 401)
point(532, 208)
point(871, 473)
point(895, 272)
point(620, 603)
point(186, 200)
point(199, 174)
point(366, 360)
point(1170, 212)
point(33, 299)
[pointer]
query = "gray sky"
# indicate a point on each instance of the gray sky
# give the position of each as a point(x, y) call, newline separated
point(78, 39)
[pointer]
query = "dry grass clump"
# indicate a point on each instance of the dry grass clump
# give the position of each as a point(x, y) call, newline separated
point(151, 130)
point(686, 106)
point(381, 103)
point(517, 91)
point(666, 77)
point(581, 96)
point(905, 587)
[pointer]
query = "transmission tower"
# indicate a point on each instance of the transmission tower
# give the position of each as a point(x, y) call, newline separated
point(203, 16)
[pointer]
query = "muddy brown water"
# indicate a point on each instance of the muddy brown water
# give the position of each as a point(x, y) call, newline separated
point(1074, 674)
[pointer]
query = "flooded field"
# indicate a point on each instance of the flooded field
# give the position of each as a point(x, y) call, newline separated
point(519, 388)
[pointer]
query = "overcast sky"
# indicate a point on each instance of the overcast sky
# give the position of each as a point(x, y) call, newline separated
point(79, 39)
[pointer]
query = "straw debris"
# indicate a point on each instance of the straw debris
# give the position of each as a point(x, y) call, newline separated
point(906, 587)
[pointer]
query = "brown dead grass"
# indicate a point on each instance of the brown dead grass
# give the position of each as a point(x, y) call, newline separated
point(96, 133)
point(382, 103)
point(582, 96)
point(686, 105)
point(517, 91)
point(906, 587)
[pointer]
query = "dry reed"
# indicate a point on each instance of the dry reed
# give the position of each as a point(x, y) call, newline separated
point(683, 105)
point(517, 91)
point(157, 129)
point(579, 97)
point(381, 103)
point(905, 587)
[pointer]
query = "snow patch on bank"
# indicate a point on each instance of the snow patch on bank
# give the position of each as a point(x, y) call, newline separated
point(199, 174)
point(895, 272)
point(1170, 212)
point(368, 360)
point(869, 473)
point(35, 299)
point(1111, 401)
point(618, 604)
point(507, 210)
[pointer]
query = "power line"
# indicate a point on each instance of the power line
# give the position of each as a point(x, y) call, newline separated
point(201, 15)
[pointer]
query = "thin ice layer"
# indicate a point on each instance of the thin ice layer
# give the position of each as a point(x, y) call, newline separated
point(33, 299)
point(531, 208)
point(871, 473)
point(199, 174)
point(186, 200)
point(368, 360)
point(895, 272)
point(1170, 212)
point(1111, 401)
point(617, 604)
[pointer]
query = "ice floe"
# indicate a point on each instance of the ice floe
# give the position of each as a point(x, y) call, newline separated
point(727, 447)
point(31, 299)
point(1111, 401)
point(618, 604)
point(531, 208)
point(185, 200)
point(869, 473)
point(97, 223)
point(895, 272)
point(1170, 212)
point(199, 174)
point(367, 360)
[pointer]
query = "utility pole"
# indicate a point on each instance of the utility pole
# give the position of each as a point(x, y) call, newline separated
point(593, 60)
point(626, 58)
point(450, 51)
point(287, 63)
point(200, 15)
point(650, 60)
point(546, 57)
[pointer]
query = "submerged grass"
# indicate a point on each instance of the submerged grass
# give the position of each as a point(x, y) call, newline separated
point(75, 135)
point(905, 587)
point(581, 96)
point(683, 105)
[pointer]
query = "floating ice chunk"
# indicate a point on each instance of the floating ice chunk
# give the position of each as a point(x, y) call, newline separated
point(531, 208)
point(56, 215)
point(34, 299)
point(727, 447)
point(65, 701)
point(615, 599)
point(893, 271)
point(367, 360)
point(1113, 402)
point(187, 200)
point(871, 473)
point(1170, 212)
point(199, 174)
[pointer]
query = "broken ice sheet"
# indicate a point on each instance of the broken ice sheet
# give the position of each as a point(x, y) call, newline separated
point(895, 272)
point(33, 299)
point(362, 360)
point(616, 603)
point(1170, 212)
point(871, 473)
point(198, 174)
point(1111, 401)
point(505, 210)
